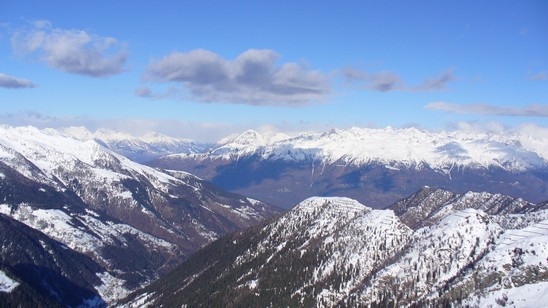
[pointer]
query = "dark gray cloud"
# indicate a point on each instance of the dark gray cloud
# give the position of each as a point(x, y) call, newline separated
point(73, 51)
point(252, 78)
point(11, 82)
point(388, 81)
point(537, 110)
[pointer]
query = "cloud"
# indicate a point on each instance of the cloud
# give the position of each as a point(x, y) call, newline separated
point(387, 81)
point(536, 110)
point(253, 78)
point(143, 92)
point(11, 82)
point(438, 83)
point(72, 51)
point(351, 74)
point(539, 76)
point(475, 126)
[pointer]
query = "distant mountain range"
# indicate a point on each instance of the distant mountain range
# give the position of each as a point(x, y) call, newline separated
point(81, 224)
point(434, 249)
point(374, 166)
point(140, 149)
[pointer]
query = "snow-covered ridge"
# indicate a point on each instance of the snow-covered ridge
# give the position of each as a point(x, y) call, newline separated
point(464, 244)
point(52, 152)
point(394, 148)
point(337, 204)
point(475, 248)
point(95, 201)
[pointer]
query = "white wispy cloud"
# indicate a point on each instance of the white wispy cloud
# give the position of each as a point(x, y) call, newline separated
point(253, 78)
point(534, 110)
point(11, 82)
point(73, 51)
point(387, 81)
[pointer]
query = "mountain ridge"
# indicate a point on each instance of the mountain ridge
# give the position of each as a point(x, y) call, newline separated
point(337, 252)
point(135, 222)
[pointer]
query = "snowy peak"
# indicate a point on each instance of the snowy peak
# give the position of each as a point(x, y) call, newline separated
point(249, 138)
point(246, 143)
point(332, 204)
point(320, 216)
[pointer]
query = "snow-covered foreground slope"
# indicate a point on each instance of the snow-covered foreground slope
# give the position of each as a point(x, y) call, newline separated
point(473, 248)
point(134, 221)
point(373, 166)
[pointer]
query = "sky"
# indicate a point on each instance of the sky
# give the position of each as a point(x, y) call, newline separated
point(206, 69)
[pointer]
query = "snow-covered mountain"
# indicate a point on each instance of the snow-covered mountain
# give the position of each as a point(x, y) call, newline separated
point(445, 152)
point(149, 146)
point(431, 249)
point(375, 166)
point(131, 221)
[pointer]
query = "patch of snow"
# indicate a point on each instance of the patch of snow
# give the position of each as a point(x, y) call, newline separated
point(7, 285)
point(252, 284)
point(529, 295)
point(112, 288)
point(142, 301)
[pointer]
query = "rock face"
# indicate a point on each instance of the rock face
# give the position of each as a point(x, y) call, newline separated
point(373, 166)
point(129, 223)
point(432, 248)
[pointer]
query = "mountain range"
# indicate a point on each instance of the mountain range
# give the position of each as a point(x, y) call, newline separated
point(150, 145)
point(434, 248)
point(373, 166)
point(82, 224)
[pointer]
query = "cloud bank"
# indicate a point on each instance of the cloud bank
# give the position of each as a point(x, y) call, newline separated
point(253, 78)
point(536, 110)
point(388, 81)
point(72, 51)
point(11, 82)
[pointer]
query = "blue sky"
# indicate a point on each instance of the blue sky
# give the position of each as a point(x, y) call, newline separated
point(205, 69)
